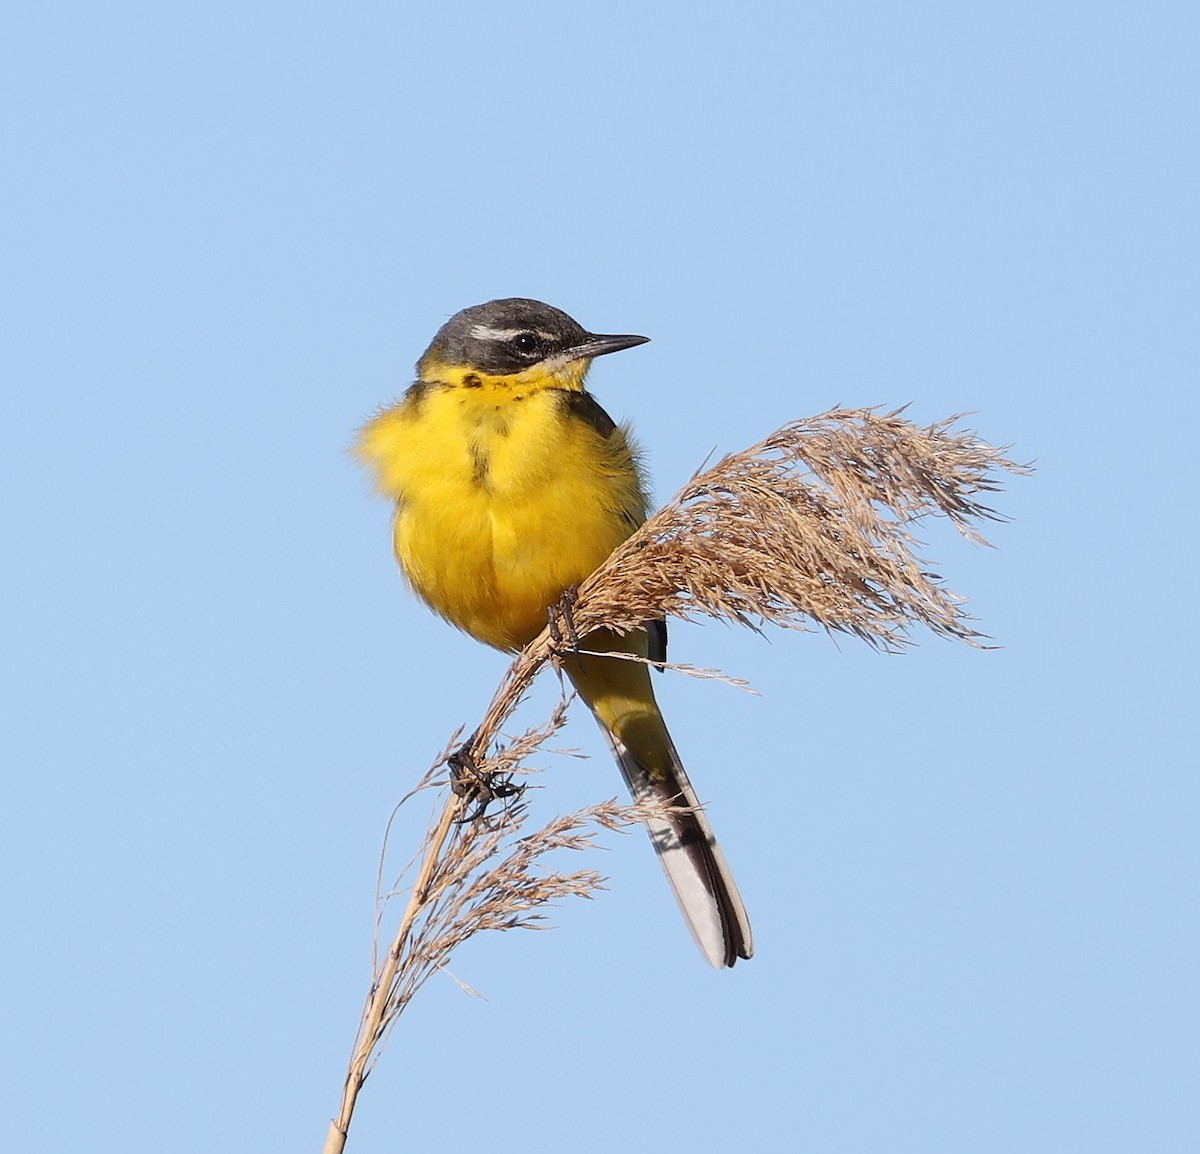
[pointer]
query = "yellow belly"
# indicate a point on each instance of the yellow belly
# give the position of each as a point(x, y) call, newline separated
point(502, 503)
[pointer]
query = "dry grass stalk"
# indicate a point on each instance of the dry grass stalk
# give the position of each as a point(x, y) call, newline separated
point(811, 527)
point(477, 872)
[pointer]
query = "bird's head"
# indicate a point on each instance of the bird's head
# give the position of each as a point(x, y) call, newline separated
point(516, 341)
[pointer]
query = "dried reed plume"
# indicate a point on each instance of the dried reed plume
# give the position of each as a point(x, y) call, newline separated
point(809, 528)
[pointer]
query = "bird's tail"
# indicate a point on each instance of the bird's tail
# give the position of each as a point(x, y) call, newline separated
point(691, 858)
point(619, 693)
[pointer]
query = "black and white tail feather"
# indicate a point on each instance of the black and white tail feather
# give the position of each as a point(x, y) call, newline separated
point(691, 859)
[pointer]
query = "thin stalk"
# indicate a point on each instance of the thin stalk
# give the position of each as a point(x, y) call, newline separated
point(373, 1022)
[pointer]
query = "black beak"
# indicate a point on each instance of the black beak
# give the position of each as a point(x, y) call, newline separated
point(596, 345)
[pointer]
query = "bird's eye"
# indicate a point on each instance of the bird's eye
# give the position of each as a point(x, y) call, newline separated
point(526, 344)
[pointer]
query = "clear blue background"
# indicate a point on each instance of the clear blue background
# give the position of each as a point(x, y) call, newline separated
point(229, 230)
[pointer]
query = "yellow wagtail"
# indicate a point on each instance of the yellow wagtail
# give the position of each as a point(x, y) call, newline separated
point(512, 485)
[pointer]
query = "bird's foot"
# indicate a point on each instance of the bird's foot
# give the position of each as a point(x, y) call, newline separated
point(561, 619)
point(470, 782)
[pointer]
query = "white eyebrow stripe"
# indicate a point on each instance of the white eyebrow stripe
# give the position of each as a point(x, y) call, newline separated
point(488, 333)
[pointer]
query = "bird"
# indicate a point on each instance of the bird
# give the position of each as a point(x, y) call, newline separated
point(511, 485)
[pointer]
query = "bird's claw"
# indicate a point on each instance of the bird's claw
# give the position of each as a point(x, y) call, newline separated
point(468, 781)
point(561, 619)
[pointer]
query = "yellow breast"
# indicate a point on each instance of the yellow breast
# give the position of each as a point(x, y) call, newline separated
point(505, 497)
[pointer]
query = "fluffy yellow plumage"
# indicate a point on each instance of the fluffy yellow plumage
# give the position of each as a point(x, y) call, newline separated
point(504, 499)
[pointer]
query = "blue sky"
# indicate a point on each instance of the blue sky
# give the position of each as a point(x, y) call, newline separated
point(229, 230)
